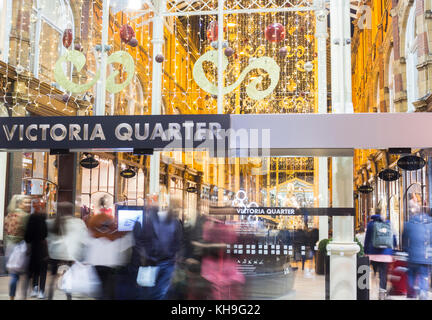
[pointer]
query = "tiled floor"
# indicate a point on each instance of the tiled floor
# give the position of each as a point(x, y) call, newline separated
point(307, 286)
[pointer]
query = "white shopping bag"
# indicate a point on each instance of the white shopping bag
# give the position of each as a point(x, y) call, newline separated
point(147, 276)
point(18, 260)
point(80, 279)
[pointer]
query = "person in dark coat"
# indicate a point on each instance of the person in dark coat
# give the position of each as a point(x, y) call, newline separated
point(417, 242)
point(380, 257)
point(157, 243)
point(35, 237)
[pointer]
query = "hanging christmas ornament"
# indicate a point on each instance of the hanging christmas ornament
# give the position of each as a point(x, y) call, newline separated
point(275, 32)
point(65, 98)
point(229, 52)
point(126, 33)
point(159, 58)
point(283, 51)
point(78, 47)
point(133, 42)
point(67, 38)
point(212, 31)
point(308, 66)
point(214, 96)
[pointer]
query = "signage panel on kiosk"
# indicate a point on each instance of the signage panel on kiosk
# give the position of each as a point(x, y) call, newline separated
point(128, 215)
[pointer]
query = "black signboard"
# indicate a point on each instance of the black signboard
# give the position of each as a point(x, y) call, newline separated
point(365, 189)
point(282, 211)
point(411, 163)
point(192, 190)
point(113, 132)
point(89, 163)
point(128, 173)
point(389, 175)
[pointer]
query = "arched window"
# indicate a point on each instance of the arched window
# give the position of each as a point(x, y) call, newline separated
point(391, 84)
point(378, 98)
point(50, 18)
point(411, 59)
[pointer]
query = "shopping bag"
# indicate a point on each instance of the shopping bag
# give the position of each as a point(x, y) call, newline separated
point(18, 259)
point(147, 276)
point(80, 279)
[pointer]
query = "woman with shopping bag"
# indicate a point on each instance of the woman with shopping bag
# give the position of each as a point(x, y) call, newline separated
point(15, 224)
point(67, 238)
point(108, 250)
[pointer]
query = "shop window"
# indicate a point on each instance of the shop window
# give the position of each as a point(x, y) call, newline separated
point(411, 51)
point(39, 177)
point(50, 18)
point(97, 191)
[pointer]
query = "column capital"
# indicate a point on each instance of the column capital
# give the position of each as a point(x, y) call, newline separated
point(343, 249)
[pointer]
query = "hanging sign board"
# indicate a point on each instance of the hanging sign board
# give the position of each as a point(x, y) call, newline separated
point(389, 175)
point(365, 189)
point(411, 163)
point(128, 173)
point(89, 163)
point(282, 211)
point(113, 132)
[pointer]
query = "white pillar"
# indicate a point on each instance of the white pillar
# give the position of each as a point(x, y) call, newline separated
point(101, 84)
point(158, 40)
point(342, 249)
point(323, 196)
point(340, 30)
point(321, 36)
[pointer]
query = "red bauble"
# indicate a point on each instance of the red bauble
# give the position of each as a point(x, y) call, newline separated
point(275, 32)
point(126, 33)
point(133, 42)
point(212, 31)
point(67, 38)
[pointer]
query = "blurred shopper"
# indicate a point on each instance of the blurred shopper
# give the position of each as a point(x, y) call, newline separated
point(67, 237)
point(15, 224)
point(379, 232)
point(35, 236)
point(361, 234)
point(417, 242)
point(158, 242)
point(218, 267)
point(108, 250)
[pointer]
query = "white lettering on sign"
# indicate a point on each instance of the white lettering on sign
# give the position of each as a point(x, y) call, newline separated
point(266, 211)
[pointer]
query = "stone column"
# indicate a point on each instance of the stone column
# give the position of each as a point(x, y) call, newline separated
point(343, 249)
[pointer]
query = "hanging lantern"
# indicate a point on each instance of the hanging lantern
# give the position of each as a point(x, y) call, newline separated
point(212, 31)
point(128, 173)
point(275, 32)
point(126, 33)
point(67, 38)
point(159, 58)
point(89, 162)
point(133, 42)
